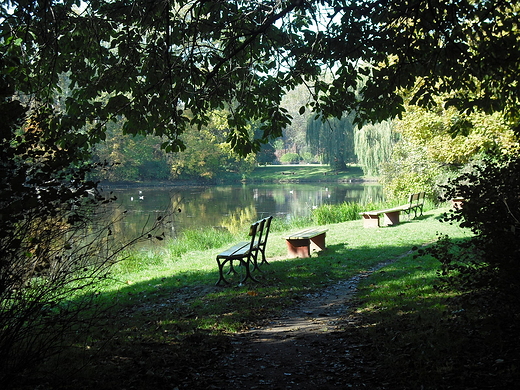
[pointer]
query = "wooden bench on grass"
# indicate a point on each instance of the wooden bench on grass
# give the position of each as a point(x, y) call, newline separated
point(302, 243)
point(246, 252)
point(391, 216)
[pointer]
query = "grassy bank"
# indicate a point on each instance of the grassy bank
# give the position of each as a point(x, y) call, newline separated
point(167, 314)
point(305, 173)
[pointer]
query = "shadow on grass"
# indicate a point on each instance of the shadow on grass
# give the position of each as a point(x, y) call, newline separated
point(414, 336)
point(188, 301)
point(173, 330)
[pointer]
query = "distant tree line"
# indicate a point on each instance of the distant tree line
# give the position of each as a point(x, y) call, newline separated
point(208, 155)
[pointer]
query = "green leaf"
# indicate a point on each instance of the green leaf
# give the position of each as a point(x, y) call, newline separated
point(117, 103)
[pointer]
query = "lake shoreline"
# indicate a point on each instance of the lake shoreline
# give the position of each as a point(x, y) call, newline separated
point(270, 174)
point(195, 183)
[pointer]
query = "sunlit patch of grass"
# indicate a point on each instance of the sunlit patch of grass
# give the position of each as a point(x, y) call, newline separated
point(164, 296)
point(303, 173)
point(408, 319)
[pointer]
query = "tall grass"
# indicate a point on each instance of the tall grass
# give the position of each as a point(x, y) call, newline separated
point(284, 224)
point(198, 239)
point(143, 258)
point(347, 211)
point(326, 214)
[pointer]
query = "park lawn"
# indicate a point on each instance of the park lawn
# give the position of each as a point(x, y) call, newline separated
point(155, 284)
point(304, 173)
point(170, 302)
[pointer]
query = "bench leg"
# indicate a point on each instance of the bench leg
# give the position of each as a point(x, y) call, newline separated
point(318, 243)
point(221, 271)
point(298, 248)
point(391, 218)
point(245, 262)
point(254, 260)
point(371, 221)
point(264, 260)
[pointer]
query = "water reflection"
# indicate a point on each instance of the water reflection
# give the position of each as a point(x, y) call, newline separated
point(231, 207)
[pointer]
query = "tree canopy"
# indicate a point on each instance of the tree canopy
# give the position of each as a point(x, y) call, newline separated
point(164, 65)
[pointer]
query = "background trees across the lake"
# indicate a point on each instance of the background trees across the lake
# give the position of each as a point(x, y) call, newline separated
point(215, 77)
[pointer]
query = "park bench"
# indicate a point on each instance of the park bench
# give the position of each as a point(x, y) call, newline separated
point(302, 243)
point(246, 252)
point(457, 202)
point(262, 241)
point(391, 216)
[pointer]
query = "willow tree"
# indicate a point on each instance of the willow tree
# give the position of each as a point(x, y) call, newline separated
point(332, 140)
point(373, 146)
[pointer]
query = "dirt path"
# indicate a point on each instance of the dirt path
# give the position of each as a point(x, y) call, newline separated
point(306, 348)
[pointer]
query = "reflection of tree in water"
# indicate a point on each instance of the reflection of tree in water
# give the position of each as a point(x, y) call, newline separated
point(222, 207)
point(363, 194)
point(238, 221)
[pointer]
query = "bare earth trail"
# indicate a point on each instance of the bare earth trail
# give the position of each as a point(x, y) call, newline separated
point(306, 348)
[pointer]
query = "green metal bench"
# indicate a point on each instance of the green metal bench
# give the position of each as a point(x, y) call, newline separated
point(246, 252)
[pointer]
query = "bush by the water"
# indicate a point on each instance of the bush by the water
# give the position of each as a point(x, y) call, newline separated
point(290, 158)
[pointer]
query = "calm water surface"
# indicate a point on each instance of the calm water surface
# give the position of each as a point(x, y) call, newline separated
point(231, 206)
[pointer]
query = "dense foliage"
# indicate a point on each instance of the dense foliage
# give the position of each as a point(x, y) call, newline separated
point(43, 196)
point(140, 158)
point(428, 152)
point(167, 65)
point(491, 209)
point(54, 251)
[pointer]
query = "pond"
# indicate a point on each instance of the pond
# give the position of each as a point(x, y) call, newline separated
point(230, 206)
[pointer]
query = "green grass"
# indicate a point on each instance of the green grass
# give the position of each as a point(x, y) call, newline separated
point(167, 297)
point(303, 173)
point(351, 249)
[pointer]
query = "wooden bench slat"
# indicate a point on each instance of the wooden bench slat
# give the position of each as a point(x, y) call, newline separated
point(377, 212)
point(306, 234)
point(244, 245)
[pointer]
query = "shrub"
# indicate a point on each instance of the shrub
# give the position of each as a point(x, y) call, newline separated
point(53, 254)
point(290, 158)
point(492, 211)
